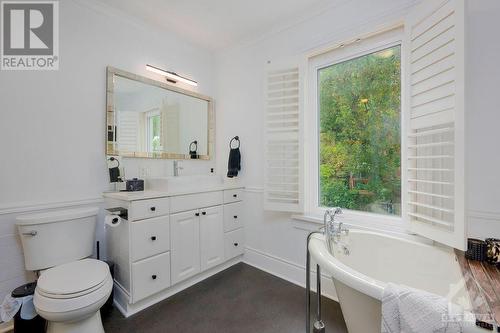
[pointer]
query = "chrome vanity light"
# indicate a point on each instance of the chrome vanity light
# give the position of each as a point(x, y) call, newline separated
point(171, 76)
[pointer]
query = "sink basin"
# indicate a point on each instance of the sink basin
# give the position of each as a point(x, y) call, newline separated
point(183, 183)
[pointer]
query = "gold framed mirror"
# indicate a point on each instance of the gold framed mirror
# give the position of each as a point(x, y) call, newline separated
point(146, 118)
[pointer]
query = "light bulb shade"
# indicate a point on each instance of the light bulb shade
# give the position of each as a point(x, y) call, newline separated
point(171, 75)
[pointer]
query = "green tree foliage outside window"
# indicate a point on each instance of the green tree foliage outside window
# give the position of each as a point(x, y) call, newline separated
point(360, 136)
point(155, 133)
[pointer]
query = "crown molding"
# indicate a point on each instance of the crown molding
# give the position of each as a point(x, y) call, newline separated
point(392, 14)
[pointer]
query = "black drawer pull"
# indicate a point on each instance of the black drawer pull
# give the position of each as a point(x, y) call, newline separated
point(235, 216)
point(153, 209)
point(115, 220)
point(235, 195)
point(235, 244)
point(204, 213)
point(153, 277)
point(197, 214)
point(153, 238)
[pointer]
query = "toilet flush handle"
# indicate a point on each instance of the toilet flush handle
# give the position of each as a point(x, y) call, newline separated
point(30, 233)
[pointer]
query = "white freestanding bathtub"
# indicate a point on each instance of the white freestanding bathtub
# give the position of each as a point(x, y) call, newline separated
point(375, 259)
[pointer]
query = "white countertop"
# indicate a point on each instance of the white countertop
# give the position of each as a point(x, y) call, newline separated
point(151, 194)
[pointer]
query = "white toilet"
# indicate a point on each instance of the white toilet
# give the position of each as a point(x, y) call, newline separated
point(71, 287)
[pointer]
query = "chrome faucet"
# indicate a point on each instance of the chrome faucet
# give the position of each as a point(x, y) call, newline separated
point(333, 231)
point(177, 167)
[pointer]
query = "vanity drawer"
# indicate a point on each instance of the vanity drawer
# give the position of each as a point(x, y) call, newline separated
point(143, 209)
point(149, 237)
point(150, 276)
point(233, 195)
point(234, 243)
point(233, 216)
point(187, 202)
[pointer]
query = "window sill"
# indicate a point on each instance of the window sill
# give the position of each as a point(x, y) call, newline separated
point(355, 220)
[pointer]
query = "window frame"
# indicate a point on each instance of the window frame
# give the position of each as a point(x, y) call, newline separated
point(316, 62)
point(149, 124)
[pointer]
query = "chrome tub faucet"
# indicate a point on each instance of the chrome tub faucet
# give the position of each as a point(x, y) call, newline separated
point(333, 230)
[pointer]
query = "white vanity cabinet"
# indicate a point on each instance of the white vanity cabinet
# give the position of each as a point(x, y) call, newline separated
point(169, 242)
point(233, 223)
point(197, 241)
point(185, 228)
point(211, 237)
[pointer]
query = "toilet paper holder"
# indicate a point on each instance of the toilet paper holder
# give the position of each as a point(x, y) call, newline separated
point(119, 211)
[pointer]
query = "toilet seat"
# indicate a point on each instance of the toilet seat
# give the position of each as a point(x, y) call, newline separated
point(71, 295)
point(73, 286)
point(73, 279)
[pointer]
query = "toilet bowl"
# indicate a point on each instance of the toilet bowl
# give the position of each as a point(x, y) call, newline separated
point(69, 296)
point(72, 287)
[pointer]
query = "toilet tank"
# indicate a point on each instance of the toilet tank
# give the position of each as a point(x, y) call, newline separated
point(57, 237)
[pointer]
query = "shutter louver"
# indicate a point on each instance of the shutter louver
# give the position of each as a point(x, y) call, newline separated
point(283, 189)
point(435, 121)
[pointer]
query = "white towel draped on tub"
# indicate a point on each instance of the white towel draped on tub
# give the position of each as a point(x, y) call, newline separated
point(409, 310)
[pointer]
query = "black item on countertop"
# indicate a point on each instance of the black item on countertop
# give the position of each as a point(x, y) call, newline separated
point(35, 325)
point(234, 163)
point(476, 249)
point(493, 251)
point(135, 184)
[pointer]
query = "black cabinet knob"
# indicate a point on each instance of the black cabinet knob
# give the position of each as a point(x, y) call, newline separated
point(235, 244)
point(235, 216)
point(197, 214)
point(235, 195)
point(153, 209)
point(153, 277)
point(115, 220)
point(153, 238)
point(204, 213)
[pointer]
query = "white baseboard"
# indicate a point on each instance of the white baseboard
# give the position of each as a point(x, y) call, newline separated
point(288, 271)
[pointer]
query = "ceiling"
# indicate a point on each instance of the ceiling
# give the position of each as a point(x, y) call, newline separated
point(218, 24)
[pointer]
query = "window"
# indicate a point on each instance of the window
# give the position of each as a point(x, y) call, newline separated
point(354, 121)
point(153, 130)
point(359, 133)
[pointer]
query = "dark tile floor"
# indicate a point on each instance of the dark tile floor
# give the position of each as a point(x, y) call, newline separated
point(240, 299)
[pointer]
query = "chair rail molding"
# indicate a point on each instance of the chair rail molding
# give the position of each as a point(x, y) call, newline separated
point(254, 189)
point(28, 206)
point(483, 214)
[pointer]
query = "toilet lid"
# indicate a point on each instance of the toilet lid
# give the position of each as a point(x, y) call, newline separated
point(73, 278)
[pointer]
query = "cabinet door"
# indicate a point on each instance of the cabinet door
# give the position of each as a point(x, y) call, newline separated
point(211, 237)
point(185, 245)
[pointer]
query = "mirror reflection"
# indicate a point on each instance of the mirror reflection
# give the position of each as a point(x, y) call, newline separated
point(152, 121)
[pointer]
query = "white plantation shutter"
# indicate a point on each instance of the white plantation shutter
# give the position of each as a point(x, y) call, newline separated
point(128, 134)
point(283, 155)
point(434, 113)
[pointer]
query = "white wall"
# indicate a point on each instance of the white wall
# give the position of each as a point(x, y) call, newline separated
point(274, 241)
point(52, 128)
point(483, 118)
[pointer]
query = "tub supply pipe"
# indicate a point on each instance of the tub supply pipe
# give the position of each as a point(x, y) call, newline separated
point(319, 326)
